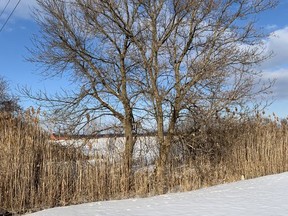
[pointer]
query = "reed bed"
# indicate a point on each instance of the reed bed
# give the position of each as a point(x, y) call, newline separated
point(37, 173)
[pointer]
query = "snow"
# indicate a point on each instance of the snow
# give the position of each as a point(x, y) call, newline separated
point(265, 196)
point(145, 148)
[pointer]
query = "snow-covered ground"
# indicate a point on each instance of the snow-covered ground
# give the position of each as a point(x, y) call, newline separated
point(265, 196)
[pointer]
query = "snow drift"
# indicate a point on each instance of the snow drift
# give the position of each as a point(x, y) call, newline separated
point(265, 196)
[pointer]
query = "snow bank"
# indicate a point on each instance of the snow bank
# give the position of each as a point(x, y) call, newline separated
point(265, 196)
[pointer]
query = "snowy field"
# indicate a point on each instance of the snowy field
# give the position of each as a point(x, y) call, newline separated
point(145, 147)
point(266, 196)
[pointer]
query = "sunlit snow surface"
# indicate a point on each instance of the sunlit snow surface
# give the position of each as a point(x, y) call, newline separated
point(266, 196)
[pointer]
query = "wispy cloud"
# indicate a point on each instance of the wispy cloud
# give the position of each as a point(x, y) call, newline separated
point(271, 27)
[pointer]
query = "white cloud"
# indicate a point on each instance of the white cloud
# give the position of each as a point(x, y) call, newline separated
point(276, 68)
point(278, 44)
point(23, 10)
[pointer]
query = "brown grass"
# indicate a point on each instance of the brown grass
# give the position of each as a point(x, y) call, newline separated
point(36, 173)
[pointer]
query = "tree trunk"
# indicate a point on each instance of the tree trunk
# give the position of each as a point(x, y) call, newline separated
point(164, 152)
point(163, 156)
point(128, 154)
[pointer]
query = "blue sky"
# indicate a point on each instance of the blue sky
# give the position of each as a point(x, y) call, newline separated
point(16, 37)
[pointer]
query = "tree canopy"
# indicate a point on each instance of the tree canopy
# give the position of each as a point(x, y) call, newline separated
point(144, 61)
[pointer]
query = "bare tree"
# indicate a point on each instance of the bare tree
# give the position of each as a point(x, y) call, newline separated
point(8, 102)
point(80, 38)
point(197, 55)
point(136, 59)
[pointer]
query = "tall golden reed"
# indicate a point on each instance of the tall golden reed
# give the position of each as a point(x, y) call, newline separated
point(36, 173)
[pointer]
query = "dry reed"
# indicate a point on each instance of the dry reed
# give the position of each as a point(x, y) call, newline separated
point(36, 173)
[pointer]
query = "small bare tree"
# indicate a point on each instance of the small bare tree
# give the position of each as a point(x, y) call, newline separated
point(8, 102)
point(141, 59)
